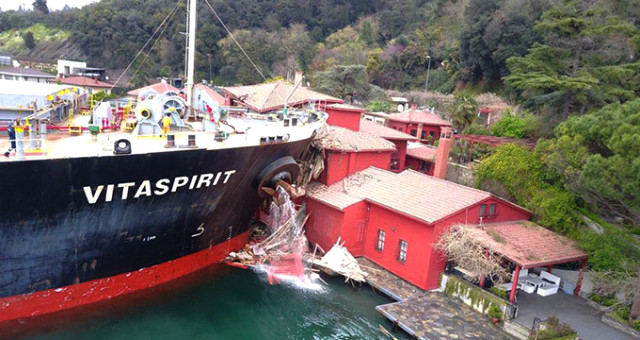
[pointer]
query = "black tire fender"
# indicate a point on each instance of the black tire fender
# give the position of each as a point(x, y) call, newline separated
point(284, 168)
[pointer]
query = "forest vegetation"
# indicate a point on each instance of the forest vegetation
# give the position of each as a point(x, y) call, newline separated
point(571, 68)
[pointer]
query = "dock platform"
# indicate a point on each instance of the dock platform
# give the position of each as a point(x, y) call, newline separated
point(428, 315)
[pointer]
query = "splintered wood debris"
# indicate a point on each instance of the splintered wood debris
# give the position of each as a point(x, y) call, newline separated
point(338, 260)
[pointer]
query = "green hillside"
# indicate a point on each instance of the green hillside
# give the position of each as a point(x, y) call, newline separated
point(12, 40)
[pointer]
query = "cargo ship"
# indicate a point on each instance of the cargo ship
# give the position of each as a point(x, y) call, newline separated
point(95, 216)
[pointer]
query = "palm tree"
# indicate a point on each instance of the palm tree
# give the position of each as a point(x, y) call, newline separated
point(464, 110)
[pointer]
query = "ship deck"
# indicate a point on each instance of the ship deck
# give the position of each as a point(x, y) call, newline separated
point(59, 144)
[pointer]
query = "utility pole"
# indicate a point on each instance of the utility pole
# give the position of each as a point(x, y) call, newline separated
point(426, 84)
point(209, 55)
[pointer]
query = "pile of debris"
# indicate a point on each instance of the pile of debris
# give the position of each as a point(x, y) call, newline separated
point(281, 244)
point(338, 261)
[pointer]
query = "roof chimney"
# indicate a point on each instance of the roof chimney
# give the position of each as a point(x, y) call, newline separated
point(442, 156)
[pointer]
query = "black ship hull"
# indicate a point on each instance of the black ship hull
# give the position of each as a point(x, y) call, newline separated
point(70, 226)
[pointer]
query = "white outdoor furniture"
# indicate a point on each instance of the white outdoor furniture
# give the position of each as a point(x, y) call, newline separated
point(521, 277)
point(528, 287)
point(550, 284)
point(532, 282)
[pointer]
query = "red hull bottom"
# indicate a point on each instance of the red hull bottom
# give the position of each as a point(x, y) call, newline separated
point(63, 298)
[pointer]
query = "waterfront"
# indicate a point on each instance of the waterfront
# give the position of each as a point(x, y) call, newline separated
point(223, 303)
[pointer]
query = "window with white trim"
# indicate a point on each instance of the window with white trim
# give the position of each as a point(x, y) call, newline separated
point(402, 253)
point(381, 237)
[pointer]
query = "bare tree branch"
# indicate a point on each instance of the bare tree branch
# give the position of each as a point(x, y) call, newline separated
point(460, 245)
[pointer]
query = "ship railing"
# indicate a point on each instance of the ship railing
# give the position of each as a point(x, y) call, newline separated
point(17, 149)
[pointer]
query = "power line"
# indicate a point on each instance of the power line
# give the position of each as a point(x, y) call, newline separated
point(146, 56)
point(234, 40)
point(145, 45)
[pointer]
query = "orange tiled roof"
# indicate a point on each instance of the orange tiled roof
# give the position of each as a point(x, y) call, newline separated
point(271, 96)
point(421, 151)
point(211, 93)
point(527, 244)
point(416, 116)
point(339, 138)
point(160, 87)
point(383, 131)
point(412, 193)
point(84, 81)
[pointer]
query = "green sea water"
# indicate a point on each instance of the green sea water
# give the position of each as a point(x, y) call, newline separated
point(222, 303)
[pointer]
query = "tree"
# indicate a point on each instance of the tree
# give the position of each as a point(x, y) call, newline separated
point(29, 41)
point(343, 82)
point(583, 61)
point(374, 63)
point(366, 35)
point(598, 155)
point(41, 6)
point(474, 54)
point(464, 110)
point(258, 46)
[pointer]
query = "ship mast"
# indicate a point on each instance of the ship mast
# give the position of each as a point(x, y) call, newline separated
point(191, 52)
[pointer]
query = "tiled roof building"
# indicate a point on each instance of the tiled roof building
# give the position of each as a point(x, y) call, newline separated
point(271, 96)
point(393, 219)
point(159, 87)
point(424, 125)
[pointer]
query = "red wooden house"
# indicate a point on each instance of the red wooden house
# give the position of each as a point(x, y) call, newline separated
point(399, 139)
point(424, 125)
point(347, 152)
point(421, 158)
point(344, 115)
point(394, 219)
point(267, 97)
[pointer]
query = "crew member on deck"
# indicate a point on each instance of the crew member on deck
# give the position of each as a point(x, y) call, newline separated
point(166, 124)
point(12, 137)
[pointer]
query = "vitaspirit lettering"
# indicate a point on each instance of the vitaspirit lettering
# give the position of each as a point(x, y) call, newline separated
point(123, 191)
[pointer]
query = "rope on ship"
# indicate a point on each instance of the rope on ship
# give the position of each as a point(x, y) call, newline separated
point(165, 21)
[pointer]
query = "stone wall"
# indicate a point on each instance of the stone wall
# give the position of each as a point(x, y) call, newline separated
point(461, 174)
point(475, 297)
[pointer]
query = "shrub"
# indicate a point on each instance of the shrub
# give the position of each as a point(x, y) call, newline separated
point(527, 180)
point(499, 292)
point(606, 301)
point(516, 126)
point(610, 251)
point(476, 129)
point(495, 311)
point(378, 106)
point(554, 330)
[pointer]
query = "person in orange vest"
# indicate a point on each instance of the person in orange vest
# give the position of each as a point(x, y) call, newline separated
point(166, 124)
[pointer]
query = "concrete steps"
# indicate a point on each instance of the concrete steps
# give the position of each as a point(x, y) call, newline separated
point(516, 330)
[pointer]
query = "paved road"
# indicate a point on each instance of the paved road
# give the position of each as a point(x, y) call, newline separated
point(570, 309)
